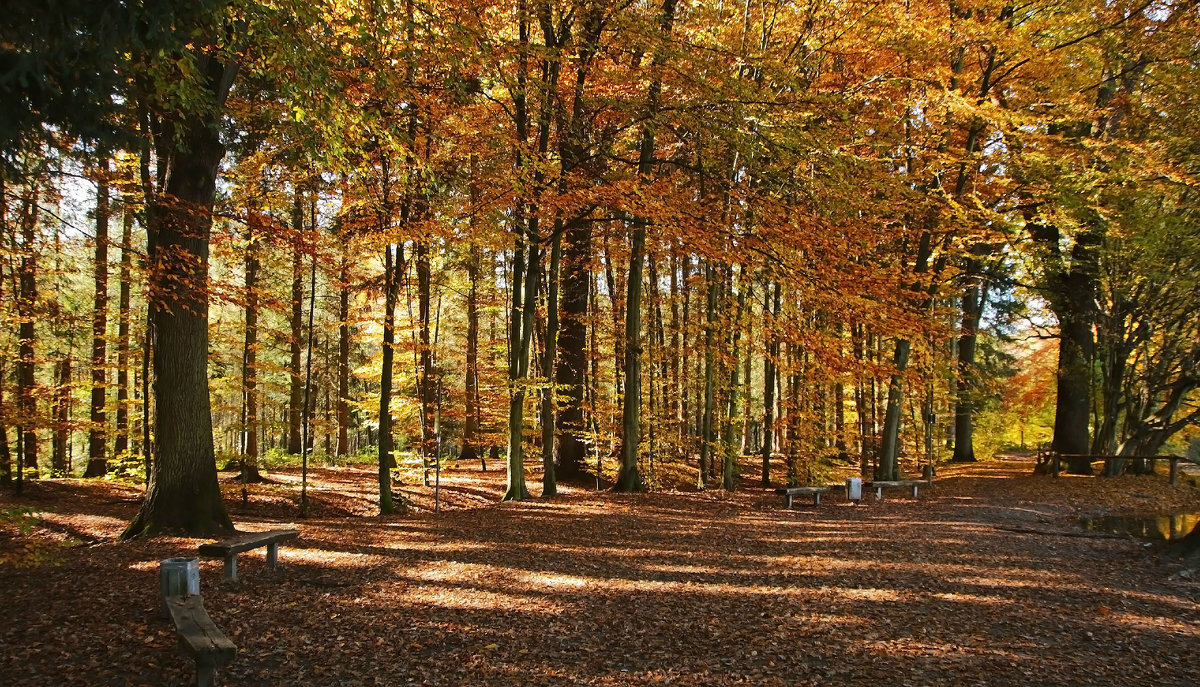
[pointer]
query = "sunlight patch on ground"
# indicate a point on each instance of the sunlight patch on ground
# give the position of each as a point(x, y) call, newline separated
point(868, 594)
point(958, 597)
point(1143, 623)
point(336, 558)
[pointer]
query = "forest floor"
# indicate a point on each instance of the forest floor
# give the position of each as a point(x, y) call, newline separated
point(988, 578)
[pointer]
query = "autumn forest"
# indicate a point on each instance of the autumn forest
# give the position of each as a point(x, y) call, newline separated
point(562, 235)
point(600, 342)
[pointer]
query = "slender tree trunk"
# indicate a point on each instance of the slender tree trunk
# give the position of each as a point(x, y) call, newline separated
point(974, 298)
point(628, 479)
point(710, 325)
point(386, 459)
point(343, 357)
point(6, 468)
point(524, 300)
point(60, 439)
point(426, 384)
point(249, 451)
point(771, 311)
point(470, 442)
point(97, 465)
point(549, 394)
point(121, 443)
point(27, 339)
point(6, 471)
point(731, 447)
point(295, 381)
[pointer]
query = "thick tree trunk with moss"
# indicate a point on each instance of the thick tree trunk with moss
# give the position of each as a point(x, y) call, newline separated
point(184, 494)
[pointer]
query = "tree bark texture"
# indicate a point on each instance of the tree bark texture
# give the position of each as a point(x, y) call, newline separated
point(184, 494)
point(97, 465)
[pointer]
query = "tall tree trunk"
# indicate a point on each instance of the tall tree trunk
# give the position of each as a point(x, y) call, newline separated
point(974, 298)
point(6, 471)
point(731, 448)
point(184, 494)
point(470, 442)
point(771, 311)
point(391, 280)
point(549, 393)
point(295, 382)
point(524, 301)
point(572, 354)
point(628, 478)
point(1071, 293)
point(60, 439)
point(26, 334)
point(343, 357)
point(426, 384)
point(121, 443)
point(889, 467)
point(97, 465)
point(710, 373)
point(249, 450)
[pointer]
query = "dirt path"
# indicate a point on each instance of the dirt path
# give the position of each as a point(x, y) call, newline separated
point(984, 580)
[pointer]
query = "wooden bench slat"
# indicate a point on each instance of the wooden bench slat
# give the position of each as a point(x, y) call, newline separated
point(788, 492)
point(880, 485)
point(199, 637)
point(246, 541)
point(1056, 458)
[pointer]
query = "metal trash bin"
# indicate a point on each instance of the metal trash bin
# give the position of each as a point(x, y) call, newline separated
point(177, 577)
point(854, 489)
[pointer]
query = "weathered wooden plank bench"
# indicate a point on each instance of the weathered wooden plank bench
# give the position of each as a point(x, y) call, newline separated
point(789, 492)
point(880, 485)
point(1057, 458)
point(246, 541)
point(199, 638)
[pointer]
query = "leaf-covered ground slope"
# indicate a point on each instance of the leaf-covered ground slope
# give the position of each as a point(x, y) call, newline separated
point(985, 579)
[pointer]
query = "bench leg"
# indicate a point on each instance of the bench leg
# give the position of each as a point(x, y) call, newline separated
point(878, 493)
point(272, 555)
point(231, 568)
point(914, 491)
point(787, 498)
point(206, 675)
point(817, 498)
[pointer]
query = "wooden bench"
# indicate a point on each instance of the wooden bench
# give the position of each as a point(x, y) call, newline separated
point(246, 541)
point(1056, 459)
point(200, 638)
point(789, 492)
point(880, 485)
